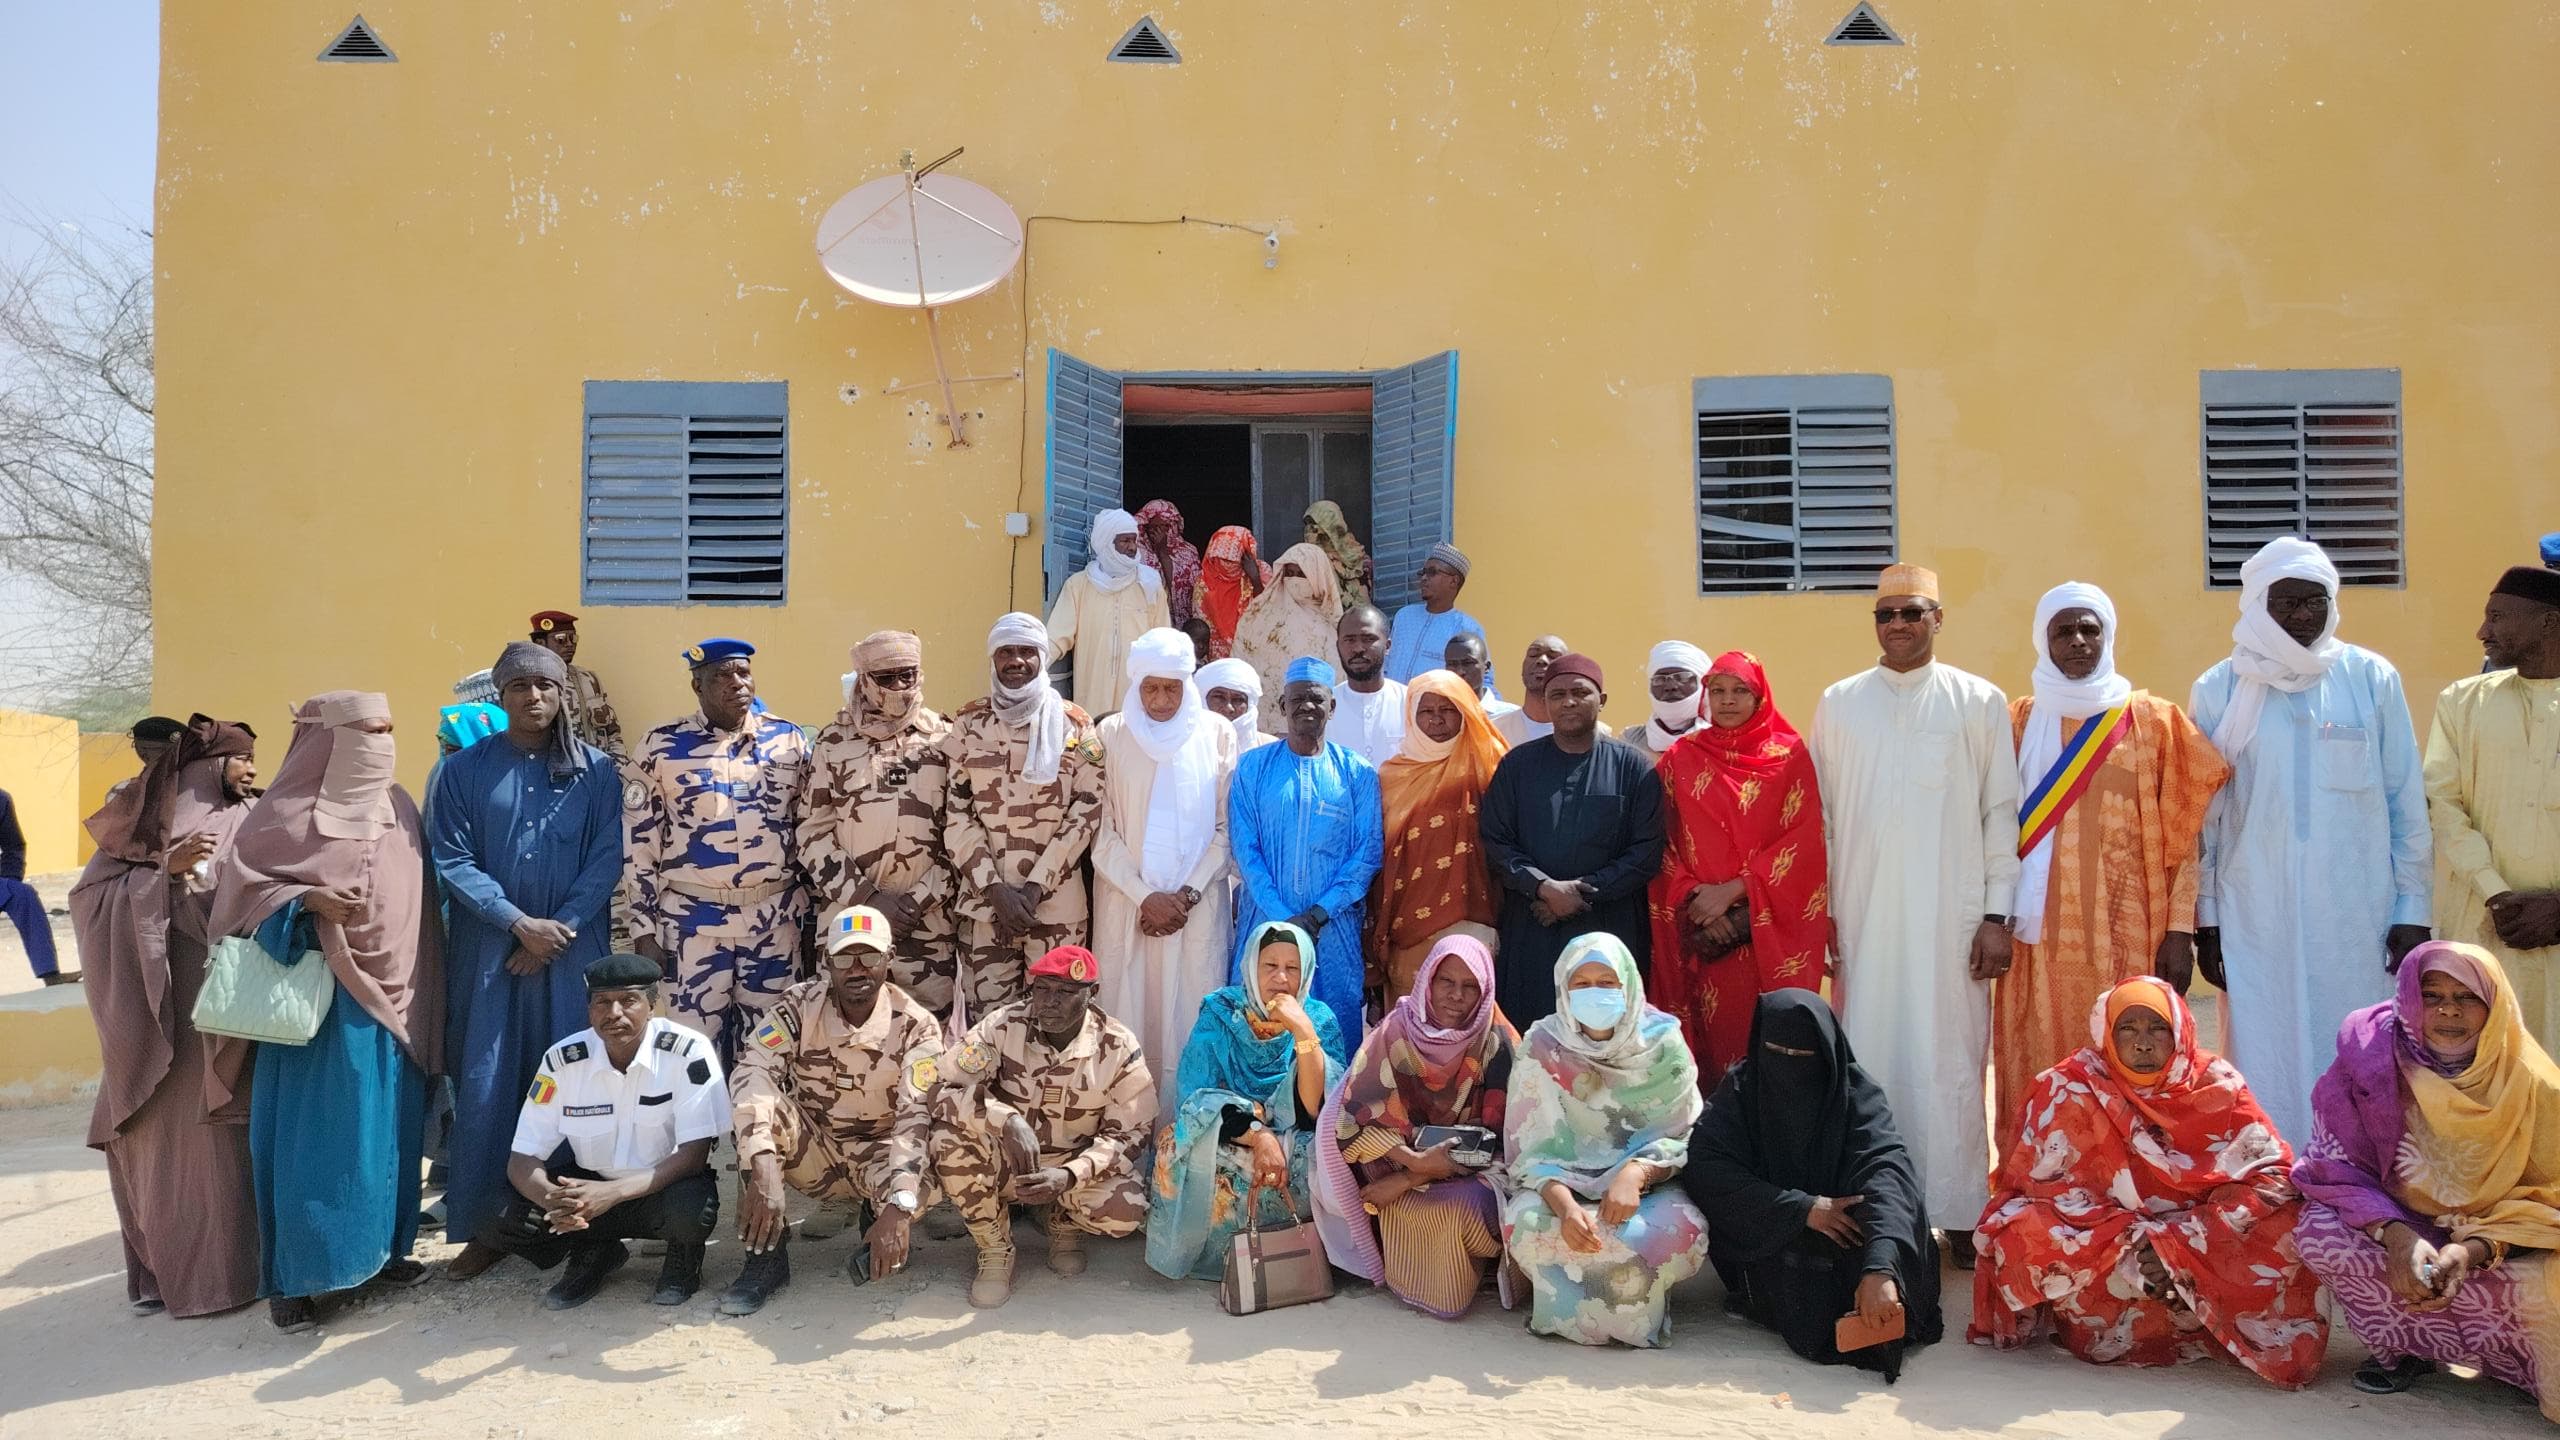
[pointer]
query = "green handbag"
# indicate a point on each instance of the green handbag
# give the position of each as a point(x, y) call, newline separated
point(249, 995)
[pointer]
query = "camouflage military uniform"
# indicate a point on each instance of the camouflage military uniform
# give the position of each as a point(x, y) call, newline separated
point(1091, 1104)
point(1001, 827)
point(843, 1108)
point(872, 820)
point(709, 817)
point(591, 716)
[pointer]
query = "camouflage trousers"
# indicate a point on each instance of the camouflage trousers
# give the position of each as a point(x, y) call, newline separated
point(925, 967)
point(732, 962)
point(994, 968)
point(974, 1174)
point(828, 1165)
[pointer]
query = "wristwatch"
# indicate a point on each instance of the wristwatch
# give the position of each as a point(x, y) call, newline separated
point(905, 1200)
point(1995, 919)
point(1190, 894)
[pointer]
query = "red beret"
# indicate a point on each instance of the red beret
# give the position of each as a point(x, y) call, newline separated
point(1069, 962)
point(1576, 663)
point(546, 621)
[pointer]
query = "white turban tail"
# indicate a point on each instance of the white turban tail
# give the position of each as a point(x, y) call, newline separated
point(2265, 658)
point(1182, 803)
point(1109, 570)
point(1036, 704)
point(2061, 703)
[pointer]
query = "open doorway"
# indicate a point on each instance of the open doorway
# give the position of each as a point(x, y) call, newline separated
point(1256, 448)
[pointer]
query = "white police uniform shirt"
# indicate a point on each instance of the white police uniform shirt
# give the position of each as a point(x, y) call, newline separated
point(623, 1122)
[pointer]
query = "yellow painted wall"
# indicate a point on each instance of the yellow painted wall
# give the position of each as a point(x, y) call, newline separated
point(105, 761)
point(40, 768)
point(381, 287)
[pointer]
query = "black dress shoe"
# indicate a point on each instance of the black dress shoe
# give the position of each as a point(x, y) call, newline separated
point(588, 1265)
point(293, 1314)
point(764, 1274)
point(679, 1276)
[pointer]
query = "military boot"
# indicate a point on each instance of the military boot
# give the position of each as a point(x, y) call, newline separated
point(994, 1284)
point(765, 1273)
point(1066, 1242)
point(679, 1275)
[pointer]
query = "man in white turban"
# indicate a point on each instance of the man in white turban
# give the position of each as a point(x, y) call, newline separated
point(2113, 785)
point(1160, 864)
point(1233, 691)
point(1024, 797)
point(1104, 608)
point(1676, 687)
point(2315, 874)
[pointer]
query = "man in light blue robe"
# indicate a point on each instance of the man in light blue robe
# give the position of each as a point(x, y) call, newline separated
point(1304, 822)
point(1419, 639)
point(2317, 867)
point(525, 829)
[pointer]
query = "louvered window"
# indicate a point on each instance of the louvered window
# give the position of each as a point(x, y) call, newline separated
point(1863, 27)
point(1145, 44)
point(357, 44)
point(2308, 453)
point(1795, 478)
point(687, 493)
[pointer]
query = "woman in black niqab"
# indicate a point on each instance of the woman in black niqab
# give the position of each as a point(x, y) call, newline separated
point(1797, 1122)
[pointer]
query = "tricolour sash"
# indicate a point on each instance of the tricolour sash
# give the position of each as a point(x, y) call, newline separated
point(2068, 780)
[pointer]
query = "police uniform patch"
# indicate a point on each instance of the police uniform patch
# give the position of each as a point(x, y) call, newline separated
point(666, 1039)
point(582, 1110)
point(573, 1052)
point(544, 1088)
point(973, 1058)
point(699, 1072)
point(923, 1073)
point(634, 794)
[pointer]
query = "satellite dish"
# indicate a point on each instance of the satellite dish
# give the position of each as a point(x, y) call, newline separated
point(919, 240)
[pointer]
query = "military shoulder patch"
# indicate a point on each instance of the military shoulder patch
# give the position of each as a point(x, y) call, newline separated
point(699, 1072)
point(573, 1052)
point(667, 1039)
point(973, 1059)
point(543, 1091)
point(922, 1075)
point(634, 794)
point(769, 1036)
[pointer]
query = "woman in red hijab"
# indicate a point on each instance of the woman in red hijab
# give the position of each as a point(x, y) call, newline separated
point(1742, 904)
point(1230, 576)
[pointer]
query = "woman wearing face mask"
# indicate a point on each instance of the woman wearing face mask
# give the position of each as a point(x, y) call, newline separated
point(1600, 1115)
point(2146, 1214)
point(1294, 616)
point(1813, 1208)
point(2432, 1178)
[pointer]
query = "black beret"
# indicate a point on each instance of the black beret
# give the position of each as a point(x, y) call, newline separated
point(2531, 582)
point(621, 972)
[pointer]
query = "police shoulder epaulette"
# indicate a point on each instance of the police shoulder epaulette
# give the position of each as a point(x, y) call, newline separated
point(573, 1052)
point(667, 1039)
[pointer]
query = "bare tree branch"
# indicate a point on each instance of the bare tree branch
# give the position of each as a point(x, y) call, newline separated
point(76, 467)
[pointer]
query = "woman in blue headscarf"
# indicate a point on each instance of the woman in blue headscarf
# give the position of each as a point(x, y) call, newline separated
point(1252, 1083)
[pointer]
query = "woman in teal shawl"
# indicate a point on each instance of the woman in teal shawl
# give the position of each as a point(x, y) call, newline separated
point(1252, 1082)
point(1599, 1120)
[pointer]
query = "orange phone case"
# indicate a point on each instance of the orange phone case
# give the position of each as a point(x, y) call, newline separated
point(1853, 1333)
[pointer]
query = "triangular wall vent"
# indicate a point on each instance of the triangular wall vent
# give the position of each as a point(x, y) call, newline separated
point(358, 44)
point(1863, 27)
point(1145, 45)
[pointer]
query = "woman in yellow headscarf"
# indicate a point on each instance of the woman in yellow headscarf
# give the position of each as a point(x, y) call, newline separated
point(2432, 1179)
point(1330, 531)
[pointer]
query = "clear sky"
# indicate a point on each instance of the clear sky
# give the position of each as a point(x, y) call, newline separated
point(79, 110)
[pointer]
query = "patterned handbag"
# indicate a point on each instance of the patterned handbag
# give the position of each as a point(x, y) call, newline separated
point(250, 995)
point(1273, 1269)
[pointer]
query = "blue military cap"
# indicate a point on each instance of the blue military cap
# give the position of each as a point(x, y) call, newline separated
point(712, 652)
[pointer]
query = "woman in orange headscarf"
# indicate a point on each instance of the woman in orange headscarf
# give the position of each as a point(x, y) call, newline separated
point(1432, 881)
point(2146, 1214)
point(1742, 904)
point(1231, 574)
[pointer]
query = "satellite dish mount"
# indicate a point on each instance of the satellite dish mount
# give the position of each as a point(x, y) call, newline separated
point(919, 240)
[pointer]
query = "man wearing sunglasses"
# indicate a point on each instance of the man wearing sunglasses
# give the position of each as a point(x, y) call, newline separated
point(1920, 801)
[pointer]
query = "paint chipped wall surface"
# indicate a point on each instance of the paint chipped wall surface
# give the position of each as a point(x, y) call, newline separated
point(383, 286)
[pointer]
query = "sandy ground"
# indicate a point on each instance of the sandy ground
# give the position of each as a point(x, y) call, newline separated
point(1117, 1348)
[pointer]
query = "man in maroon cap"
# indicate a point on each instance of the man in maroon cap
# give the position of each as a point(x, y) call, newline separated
point(1045, 1102)
point(2493, 795)
point(591, 716)
point(1572, 827)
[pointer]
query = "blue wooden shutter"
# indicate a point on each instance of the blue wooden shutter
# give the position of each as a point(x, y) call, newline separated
point(686, 493)
point(1084, 461)
point(1795, 482)
point(2313, 454)
point(1413, 449)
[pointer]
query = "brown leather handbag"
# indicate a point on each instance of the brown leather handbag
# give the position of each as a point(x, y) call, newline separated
point(1273, 1269)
